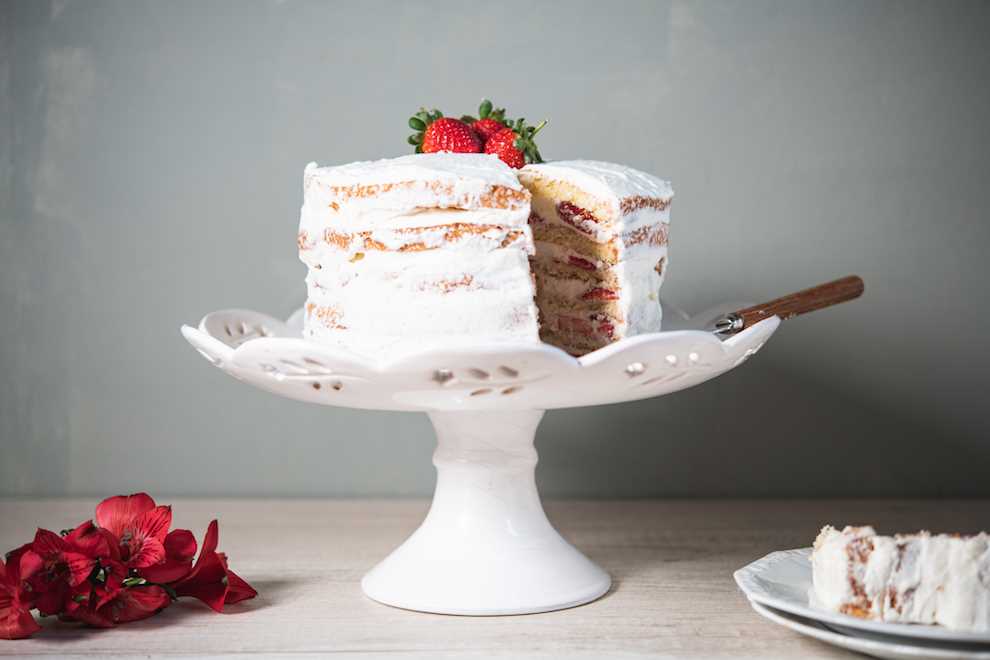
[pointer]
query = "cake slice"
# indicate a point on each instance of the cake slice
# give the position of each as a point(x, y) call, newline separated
point(600, 233)
point(417, 251)
point(916, 578)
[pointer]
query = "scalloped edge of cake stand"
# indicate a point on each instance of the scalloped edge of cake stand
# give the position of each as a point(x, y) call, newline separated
point(269, 354)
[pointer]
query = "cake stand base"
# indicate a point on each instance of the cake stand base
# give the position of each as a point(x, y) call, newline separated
point(486, 546)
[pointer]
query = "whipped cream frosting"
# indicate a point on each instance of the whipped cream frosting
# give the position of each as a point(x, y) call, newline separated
point(467, 170)
point(605, 180)
point(918, 578)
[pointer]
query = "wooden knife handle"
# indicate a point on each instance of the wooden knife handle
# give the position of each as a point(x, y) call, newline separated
point(802, 302)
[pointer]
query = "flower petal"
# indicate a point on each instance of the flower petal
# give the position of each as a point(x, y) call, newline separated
point(79, 565)
point(113, 543)
point(17, 624)
point(206, 581)
point(122, 511)
point(114, 572)
point(16, 621)
point(211, 539)
point(50, 596)
point(88, 614)
point(150, 553)
point(89, 540)
point(154, 523)
point(28, 563)
point(171, 570)
point(180, 544)
point(47, 543)
point(136, 603)
point(237, 589)
point(13, 558)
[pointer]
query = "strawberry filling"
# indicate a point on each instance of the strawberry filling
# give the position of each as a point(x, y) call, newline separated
point(599, 325)
point(581, 263)
point(576, 325)
point(600, 293)
point(577, 217)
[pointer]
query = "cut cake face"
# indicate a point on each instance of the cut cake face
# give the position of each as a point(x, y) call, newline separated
point(601, 233)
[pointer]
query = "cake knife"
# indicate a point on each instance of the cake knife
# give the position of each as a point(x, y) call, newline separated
point(794, 304)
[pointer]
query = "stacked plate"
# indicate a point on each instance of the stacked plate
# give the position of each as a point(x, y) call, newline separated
point(779, 588)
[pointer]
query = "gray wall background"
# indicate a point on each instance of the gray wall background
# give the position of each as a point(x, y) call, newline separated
point(151, 158)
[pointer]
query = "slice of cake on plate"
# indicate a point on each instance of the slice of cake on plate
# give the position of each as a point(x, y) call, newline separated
point(915, 578)
point(417, 251)
point(601, 251)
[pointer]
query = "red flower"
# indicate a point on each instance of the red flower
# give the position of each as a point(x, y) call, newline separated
point(54, 565)
point(16, 620)
point(127, 568)
point(139, 526)
point(211, 580)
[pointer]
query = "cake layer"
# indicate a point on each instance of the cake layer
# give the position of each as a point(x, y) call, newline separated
point(625, 296)
point(332, 245)
point(629, 245)
point(388, 300)
point(394, 192)
point(595, 199)
point(919, 578)
point(576, 332)
point(315, 218)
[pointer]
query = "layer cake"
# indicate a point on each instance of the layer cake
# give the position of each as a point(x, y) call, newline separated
point(439, 249)
point(917, 578)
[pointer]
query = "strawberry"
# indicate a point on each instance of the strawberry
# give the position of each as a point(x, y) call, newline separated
point(434, 132)
point(490, 121)
point(486, 128)
point(512, 141)
point(503, 145)
point(581, 263)
point(600, 293)
point(515, 145)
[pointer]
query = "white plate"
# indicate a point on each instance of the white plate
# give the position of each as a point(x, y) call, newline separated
point(893, 648)
point(782, 580)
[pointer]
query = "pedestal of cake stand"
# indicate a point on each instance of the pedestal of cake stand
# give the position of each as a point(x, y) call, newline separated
point(486, 546)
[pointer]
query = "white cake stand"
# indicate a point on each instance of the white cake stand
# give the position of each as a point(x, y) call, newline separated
point(486, 546)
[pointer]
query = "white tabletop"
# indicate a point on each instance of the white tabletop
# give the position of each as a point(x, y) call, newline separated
point(672, 564)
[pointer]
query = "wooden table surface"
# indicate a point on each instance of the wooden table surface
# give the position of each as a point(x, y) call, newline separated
point(671, 562)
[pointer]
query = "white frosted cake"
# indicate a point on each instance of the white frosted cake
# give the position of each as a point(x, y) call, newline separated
point(437, 249)
point(601, 250)
point(918, 578)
